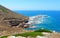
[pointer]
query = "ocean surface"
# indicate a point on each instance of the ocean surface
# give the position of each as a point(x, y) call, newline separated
point(52, 22)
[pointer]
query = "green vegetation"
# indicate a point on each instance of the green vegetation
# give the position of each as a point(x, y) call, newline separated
point(35, 33)
point(32, 34)
point(4, 10)
point(43, 30)
point(3, 36)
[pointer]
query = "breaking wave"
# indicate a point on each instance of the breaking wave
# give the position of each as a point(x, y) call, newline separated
point(39, 19)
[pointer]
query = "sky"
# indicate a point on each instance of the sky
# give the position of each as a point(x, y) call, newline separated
point(31, 4)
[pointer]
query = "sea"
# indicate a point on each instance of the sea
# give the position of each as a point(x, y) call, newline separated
point(50, 19)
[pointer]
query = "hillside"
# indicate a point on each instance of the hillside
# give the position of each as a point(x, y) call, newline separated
point(10, 13)
point(11, 22)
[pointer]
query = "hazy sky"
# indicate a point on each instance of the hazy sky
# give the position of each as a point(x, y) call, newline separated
point(31, 4)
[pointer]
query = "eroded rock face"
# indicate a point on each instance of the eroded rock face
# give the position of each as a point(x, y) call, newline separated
point(14, 23)
point(26, 21)
point(17, 22)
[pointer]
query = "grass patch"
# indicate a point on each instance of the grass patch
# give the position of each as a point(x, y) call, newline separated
point(3, 36)
point(4, 10)
point(43, 30)
point(32, 34)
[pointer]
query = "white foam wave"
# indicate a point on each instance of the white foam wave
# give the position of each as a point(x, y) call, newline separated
point(38, 19)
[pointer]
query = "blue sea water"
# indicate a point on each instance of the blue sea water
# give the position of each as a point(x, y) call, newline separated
point(55, 18)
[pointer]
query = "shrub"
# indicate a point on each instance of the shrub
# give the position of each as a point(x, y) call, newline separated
point(43, 30)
